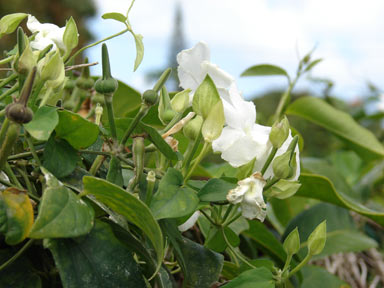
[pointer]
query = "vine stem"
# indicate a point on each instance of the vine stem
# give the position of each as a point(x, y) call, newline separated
point(17, 255)
point(235, 252)
point(94, 44)
point(143, 111)
point(300, 265)
point(269, 160)
point(32, 148)
point(197, 161)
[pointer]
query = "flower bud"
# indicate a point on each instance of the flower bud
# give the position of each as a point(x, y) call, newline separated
point(180, 101)
point(69, 84)
point(279, 133)
point(166, 113)
point(213, 124)
point(283, 189)
point(85, 82)
point(98, 113)
point(292, 242)
point(150, 97)
point(9, 23)
point(106, 85)
point(51, 69)
point(317, 239)
point(192, 129)
point(18, 113)
point(284, 166)
point(26, 61)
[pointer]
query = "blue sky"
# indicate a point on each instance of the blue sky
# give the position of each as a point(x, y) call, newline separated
point(242, 33)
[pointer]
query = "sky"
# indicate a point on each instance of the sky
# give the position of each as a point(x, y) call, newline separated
point(347, 34)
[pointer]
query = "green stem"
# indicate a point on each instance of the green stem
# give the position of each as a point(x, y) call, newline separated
point(142, 112)
point(17, 255)
point(35, 94)
point(30, 188)
point(175, 119)
point(48, 93)
point(300, 265)
point(6, 60)
point(8, 80)
point(10, 91)
point(111, 117)
point(233, 219)
point(24, 155)
point(238, 255)
point(197, 161)
point(287, 262)
point(229, 209)
point(209, 218)
point(269, 160)
point(96, 164)
point(3, 131)
point(191, 150)
point(9, 142)
point(94, 44)
point(6, 183)
point(32, 148)
point(95, 152)
point(270, 184)
point(8, 170)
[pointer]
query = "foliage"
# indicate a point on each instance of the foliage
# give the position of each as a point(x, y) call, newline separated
point(125, 195)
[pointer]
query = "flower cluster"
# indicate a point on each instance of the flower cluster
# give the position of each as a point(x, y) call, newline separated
point(241, 140)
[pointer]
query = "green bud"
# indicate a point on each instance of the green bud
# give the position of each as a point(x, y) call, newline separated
point(20, 40)
point(71, 36)
point(9, 23)
point(85, 83)
point(317, 239)
point(98, 98)
point(284, 166)
point(164, 107)
point(205, 98)
point(150, 97)
point(213, 124)
point(192, 129)
point(69, 84)
point(283, 189)
point(168, 115)
point(26, 61)
point(106, 85)
point(51, 69)
point(292, 242)
point(180, 101)
point(18, 113)
point(279, 133)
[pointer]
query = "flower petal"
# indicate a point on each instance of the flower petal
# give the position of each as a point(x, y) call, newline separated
point(41, 42)
point(221, 78)
point(190, 222)
point(228, 136)
point(189, 70)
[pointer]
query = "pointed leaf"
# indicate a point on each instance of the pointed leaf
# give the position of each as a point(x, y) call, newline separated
point(265, 70)
point(139, 50)
point(43, 123)
point(115, 16)
point(215, 190)
point(340, 123)
point(95, 260)
point(62, 214)
point(172, 199)
point(130, 207)
point(79, 132)
point(206, 96)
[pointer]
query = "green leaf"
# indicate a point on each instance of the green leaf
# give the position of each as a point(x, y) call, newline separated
point(126, 100)
point(115, 16)
point(9, 23)
point(254, 278)
point(319, 187)
point(205, 97)
point(95, 260)
point(130, 207)
point(43, 123)
point(19, 274)
point(16, 215)
point(265, 70)
point(79, 132)
point(172, 199)
point(340, 123)
point(62, 214)
point(201, 267)
point(115, 174)
point(139, 50)
point(342, 234)
point(215, 190)
point(314, 277)
point(60, 158)
point(231, 270)
point(313, 64)
point(265, 240)
point(216, 241)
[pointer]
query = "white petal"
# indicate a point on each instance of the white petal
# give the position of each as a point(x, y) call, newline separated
point(242, 115)
point(190, 222)
point(33, 24)
point(221, 78)
point(41, 42)
point(57, 37)
point(228, 136)
point(243, 150)
point(189, 70)
point(250, 211)
point(235, 196)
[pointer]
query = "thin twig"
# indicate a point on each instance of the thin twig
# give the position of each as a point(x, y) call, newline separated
point(69, 68)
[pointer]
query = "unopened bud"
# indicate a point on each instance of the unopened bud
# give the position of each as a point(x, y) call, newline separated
point(18, 113)
point(150, 97)
point(192, 129)
point(279, 133)
point(283, 189)
point(317, 239)
point(180, 101)
point(284, 166)
point(98, 113)
point(292, 242)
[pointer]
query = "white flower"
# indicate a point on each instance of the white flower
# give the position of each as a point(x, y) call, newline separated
point(194, 65)
point(249, 193)
point(47, 34)
point(190, 222)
